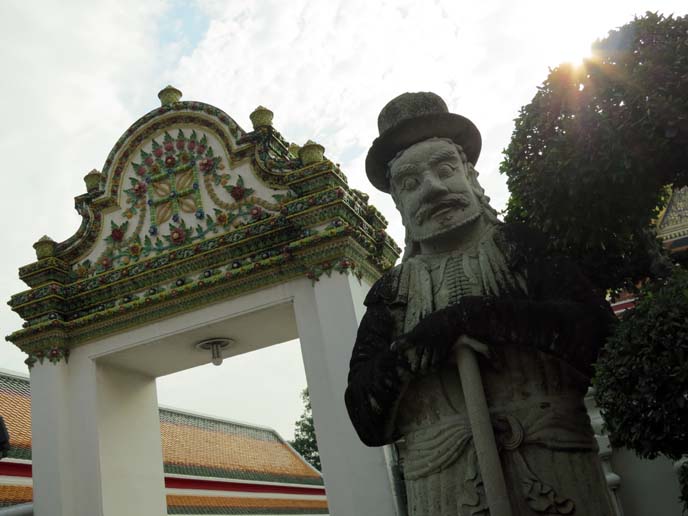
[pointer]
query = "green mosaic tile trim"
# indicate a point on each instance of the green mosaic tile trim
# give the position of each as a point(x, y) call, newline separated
point(52, 297)
point(44, 271)
point(310, 210)
point(19, 452)
point(70, 302)
point(56, 337)
point(15, 385)
point(129, 285)
point(6, 503)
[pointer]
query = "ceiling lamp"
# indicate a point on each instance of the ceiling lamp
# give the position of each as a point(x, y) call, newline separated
point(215, 346)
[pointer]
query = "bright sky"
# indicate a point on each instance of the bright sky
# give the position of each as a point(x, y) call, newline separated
point(76, 74)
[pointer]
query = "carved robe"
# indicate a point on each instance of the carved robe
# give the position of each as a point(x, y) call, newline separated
point(544, 327)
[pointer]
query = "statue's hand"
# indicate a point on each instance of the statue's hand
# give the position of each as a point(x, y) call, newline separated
point(420, 358)
point(479, 347)
point(430, 343)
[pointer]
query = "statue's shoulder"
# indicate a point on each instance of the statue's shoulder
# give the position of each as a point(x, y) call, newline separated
point(520, 243)
point(385, 289)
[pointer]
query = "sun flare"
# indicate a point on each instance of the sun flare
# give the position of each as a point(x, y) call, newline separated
point(573, 50)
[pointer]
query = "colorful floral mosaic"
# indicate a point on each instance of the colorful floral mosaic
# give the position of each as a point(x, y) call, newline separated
point(167, 184)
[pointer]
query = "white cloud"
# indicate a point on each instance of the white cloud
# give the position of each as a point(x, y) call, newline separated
point(74, 74)
point(326, 68)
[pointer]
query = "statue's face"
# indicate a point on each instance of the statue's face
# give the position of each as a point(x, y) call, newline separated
point(430, 186)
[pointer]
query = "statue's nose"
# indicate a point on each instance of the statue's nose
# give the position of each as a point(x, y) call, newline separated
point(432, 185)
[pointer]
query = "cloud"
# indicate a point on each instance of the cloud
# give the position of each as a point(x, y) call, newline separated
point(326, 68)
point(76, 75)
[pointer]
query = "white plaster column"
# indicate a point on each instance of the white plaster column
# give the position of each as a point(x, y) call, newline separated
point(131, 461)
point(96, 440)
point(50, 440)
point(357, 478)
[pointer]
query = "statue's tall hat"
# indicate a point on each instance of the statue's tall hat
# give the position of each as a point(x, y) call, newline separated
point(411, 118)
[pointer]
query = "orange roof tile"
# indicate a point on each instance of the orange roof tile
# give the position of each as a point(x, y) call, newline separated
point(247, 503)
point(229, 450)
point(15, 408)
point(12, 495)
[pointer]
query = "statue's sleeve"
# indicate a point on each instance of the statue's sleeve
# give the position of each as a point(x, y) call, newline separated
point(561, 315)
point(376, 374)
point(571, 332)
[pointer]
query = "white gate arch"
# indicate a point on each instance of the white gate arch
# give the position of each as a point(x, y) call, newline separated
point(195, 229)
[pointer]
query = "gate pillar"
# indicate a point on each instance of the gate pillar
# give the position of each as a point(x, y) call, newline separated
point(327, 316)
point(95, 441)
point(50, 441)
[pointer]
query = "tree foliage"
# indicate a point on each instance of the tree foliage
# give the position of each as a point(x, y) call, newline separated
point(592, 154)
point(642, 374)
point(304, 434)
point(590, 163)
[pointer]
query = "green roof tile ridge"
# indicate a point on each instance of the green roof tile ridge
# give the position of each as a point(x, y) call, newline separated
point(207, 471)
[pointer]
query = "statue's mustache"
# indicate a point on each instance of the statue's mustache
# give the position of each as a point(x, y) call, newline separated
point(452, 201)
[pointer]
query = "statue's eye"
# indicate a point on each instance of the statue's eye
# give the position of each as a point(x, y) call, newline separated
point(409, 183)
point(445, 170)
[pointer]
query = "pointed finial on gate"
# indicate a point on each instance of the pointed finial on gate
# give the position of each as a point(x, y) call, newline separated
point(169, 95)
point(311, 152)
point(92, 180)
point(45, 247)
point(261, 117)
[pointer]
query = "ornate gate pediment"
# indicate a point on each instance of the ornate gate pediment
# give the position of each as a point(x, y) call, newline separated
point(188, 210)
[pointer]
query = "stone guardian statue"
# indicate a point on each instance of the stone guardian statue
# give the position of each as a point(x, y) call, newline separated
point(534, 321)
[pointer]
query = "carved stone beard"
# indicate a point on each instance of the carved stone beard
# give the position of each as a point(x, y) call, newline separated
point(448, 227)
point(412, 240)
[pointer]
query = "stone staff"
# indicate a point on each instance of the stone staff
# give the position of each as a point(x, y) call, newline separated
point(481, 426)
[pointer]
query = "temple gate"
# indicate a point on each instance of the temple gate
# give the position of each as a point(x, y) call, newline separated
point(194, 230)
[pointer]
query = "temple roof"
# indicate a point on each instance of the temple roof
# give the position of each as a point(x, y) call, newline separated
point(672, 227)
point(211, 447)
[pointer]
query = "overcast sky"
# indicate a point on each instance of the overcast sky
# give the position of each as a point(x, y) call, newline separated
point(76, 74)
